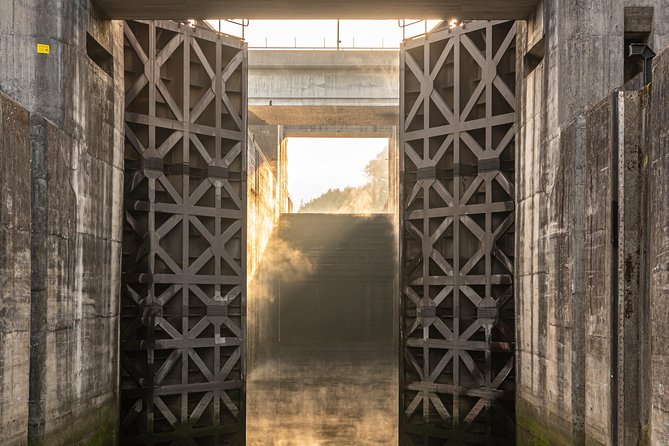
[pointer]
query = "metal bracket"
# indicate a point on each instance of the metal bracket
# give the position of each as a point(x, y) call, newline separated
point(644, 51)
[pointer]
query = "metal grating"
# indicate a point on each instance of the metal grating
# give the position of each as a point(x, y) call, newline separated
point(457, 193)
point(184, 259)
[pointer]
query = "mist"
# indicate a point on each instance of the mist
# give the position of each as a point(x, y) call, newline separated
point(369, 198)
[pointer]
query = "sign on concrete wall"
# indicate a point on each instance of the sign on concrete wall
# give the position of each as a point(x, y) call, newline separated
point(184, 259)
point(457, 156)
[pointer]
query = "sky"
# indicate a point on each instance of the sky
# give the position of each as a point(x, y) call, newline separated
point(323, 33)
point(318, 164)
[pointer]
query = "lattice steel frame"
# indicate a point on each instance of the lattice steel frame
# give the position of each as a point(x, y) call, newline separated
point(457, 157)
point(184, 247)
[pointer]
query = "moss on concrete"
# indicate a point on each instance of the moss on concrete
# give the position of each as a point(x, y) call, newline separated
point(97, 427)
point(534, 430)
point(644, 436)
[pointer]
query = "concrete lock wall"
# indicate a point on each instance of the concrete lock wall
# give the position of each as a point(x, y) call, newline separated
point(589, 363)
point(658, 253)
point(266, 201)
point(60, 271)
point(14, 269)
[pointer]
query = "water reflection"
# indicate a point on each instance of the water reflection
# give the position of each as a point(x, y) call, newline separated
point(322, 404)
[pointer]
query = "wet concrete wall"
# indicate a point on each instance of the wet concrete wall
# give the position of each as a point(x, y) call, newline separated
point(72, 98)
point(14, 270)
point(589, 351)
point(324, 365)
point(584, 340)
point(658, 255)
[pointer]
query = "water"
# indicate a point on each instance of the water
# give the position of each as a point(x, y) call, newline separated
point(322, 338)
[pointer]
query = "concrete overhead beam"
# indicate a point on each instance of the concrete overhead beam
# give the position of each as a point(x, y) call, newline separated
point(314, 59)
point(316, 9)
point(324, 115)
point(342, 131)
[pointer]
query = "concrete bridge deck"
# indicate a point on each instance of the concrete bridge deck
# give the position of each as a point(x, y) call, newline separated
point(317, 88)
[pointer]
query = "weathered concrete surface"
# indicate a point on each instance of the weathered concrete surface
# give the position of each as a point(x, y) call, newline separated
point(587, 39)
point(287, 9)
point(268, 138)
point(323, 77)
point(267, 198)
point(324, 367)
point(263, 205)
point(597, 252)
point(76, 140)
point(314, 88)
point(658, 266)
point(632, 348)
point(580, 296)
point(14, 270)
point(587, 376)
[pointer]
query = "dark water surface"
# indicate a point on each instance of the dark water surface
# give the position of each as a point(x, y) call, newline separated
point(322, 356)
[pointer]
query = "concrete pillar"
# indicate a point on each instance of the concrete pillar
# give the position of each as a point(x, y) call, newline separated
point(581, 336)
point(71, 88)
point(658, 255)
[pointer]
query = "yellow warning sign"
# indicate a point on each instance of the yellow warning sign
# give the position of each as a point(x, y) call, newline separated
point(43, 48)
